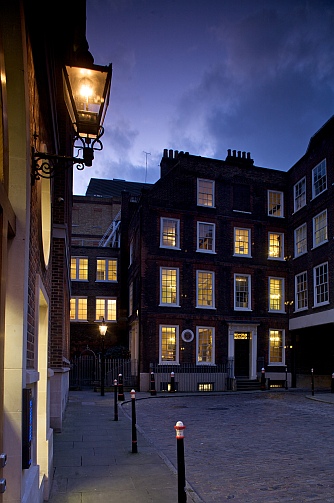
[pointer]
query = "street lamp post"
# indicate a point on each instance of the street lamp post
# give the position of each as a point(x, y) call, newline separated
point(103, 330)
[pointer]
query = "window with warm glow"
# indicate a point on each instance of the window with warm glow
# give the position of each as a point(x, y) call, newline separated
point(242, 242)
point(169, 278)
point(205, 345)
point(105, 308)
point(78, 309)
point(242, 292)
point(79, 268)
point(169, 343)
point(205, 192)
point(205, 289)
point(276, 294)
point(205, 237)
point(300, 240)
point(106, 269)
point(320, 229)
point(169, 233)
point(301, 291)
point(276, 245)
point(276, 344)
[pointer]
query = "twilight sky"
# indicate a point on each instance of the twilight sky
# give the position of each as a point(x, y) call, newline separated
point(204, 76)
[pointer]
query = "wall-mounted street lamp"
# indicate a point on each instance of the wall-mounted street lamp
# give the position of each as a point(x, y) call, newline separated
point(103, 330)
point(86, 94)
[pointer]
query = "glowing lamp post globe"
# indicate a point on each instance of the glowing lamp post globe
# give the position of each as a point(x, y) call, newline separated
point(103, 330)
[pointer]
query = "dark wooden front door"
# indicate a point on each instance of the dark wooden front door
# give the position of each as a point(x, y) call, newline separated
point(241, 354)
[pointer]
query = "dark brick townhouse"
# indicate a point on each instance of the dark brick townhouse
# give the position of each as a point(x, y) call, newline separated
point(223, 264)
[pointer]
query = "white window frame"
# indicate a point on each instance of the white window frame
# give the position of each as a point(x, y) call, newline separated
point(271, 211)
point(212, 361)
point(319, 168)
point(177, 301)
point(299, 194)
point(281, 247)
point(107, 261)
point(249, 292)
point(199, 237)
point(317, 285)
point(177, 343)
point(301, 294)
point(249, 242)
point(302, 230)
point(281, 347)
point(76, 300)
point(105, 315)
point(77, 268)
point(176, 221)
point(320, 231)
point(282, 293)
point(201, 306)
point(207, 193)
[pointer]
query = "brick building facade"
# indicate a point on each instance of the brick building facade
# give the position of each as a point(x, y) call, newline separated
point(217, 270)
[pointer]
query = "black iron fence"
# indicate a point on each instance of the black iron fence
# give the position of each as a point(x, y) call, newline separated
point(86, 371)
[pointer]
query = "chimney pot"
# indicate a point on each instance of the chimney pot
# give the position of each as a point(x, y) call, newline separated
point(229, 152)
point(171, 153)
point(165, 152)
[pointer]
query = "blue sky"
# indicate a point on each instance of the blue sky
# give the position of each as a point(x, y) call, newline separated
point(205, 76)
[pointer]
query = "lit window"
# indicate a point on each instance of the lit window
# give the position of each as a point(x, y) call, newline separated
point(169, 344)
point(242, 242)
point(321, 284)
point(276, 294)
point(320, 229)
point(300, 240)
point(301, 291)
point(169, 233)
point(275, 203)
point(276, 245)
point(169, 291)
point(205, 289)
point(205, 237)
point(79, 268)
point(105, 308)
point(106, 269)
point(205, 192)
point(319, 179)
point(78, 309)
point(242, 292)
point(205, 345)
point(276, 344)
point(300, 194)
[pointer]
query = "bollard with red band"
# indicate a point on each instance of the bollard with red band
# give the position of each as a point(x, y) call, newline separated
point(134, 427)
point(263, 379)
point(172, 382)
point(120, 388)
point(181, 472)
point(312, 381)
point(152, 385)
point(115, 401)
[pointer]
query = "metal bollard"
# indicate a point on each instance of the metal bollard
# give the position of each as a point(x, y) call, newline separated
point(115, 401)
point(312, 381)
point(286, 377)
point(172, 382)
point(120, 388)
point(134, 429)
point(332, 383)
point(181, 472)
point(152, 385)
point(263, 379)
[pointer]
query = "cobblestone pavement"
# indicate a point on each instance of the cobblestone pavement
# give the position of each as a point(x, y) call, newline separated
point(264, 447)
